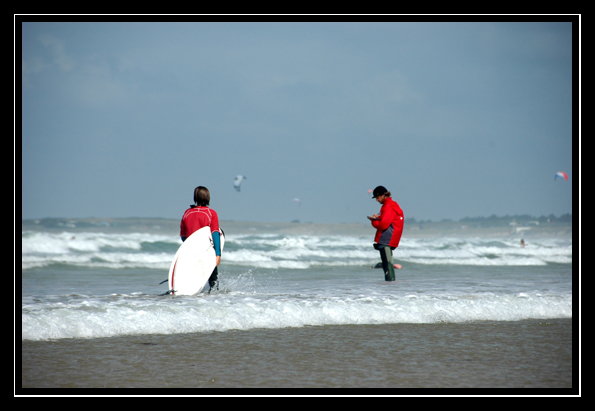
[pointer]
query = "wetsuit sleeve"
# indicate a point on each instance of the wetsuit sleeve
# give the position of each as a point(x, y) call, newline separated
point(387, 216)
point(217, 242)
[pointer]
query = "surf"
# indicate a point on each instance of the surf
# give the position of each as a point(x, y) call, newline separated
point(81, 316)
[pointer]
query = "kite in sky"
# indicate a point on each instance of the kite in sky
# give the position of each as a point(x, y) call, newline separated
point(238, 182)
point(561, 174)
point(297, 200)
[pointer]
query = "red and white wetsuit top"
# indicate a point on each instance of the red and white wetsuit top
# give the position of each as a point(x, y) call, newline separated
point(196, 218)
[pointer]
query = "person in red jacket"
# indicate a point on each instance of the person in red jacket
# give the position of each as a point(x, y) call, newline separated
point(389, 228)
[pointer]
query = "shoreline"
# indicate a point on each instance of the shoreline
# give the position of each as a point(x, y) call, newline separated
point(171, 227)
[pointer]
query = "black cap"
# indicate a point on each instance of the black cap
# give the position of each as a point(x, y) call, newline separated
point(378, 191)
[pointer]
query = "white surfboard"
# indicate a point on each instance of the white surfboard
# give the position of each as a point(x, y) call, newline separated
point(193, 263)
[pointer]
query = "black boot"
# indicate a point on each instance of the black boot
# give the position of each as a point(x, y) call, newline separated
point(213, 285)
point(214, 281)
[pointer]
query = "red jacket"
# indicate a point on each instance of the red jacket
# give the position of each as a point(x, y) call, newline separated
point(390, 226)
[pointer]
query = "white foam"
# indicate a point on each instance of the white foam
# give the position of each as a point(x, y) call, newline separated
point(308, 297)
point(94, 250)
point(273, 251)
point(85, 317)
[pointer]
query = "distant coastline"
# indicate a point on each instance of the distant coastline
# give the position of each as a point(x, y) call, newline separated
point(516, 227)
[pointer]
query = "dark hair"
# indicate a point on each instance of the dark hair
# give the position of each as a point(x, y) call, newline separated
point(202, 197)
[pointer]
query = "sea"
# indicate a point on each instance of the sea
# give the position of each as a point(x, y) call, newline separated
point(302, 313)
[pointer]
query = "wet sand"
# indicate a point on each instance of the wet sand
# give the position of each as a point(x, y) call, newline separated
point(534, 355)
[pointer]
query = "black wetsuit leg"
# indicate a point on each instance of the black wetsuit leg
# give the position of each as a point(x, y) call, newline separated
point(386, 255)
point(214, 280)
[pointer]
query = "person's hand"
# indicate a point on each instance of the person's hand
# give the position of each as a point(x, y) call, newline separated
point(218, 260)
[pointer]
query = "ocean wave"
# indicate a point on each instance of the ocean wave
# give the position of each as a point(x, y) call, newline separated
point(274, 251)
point(93, 317)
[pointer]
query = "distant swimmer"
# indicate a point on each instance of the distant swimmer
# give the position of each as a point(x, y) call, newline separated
point(523, 243)
point(389, 228)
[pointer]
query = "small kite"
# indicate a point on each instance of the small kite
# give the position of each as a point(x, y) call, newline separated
point(297, 200)
point(238, 182)
point(561, 174)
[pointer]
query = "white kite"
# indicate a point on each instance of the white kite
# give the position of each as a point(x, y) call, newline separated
point(297, 200)
point(238, 182)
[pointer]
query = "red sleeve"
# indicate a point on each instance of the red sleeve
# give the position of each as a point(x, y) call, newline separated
point(387, 215)
point(214, 221)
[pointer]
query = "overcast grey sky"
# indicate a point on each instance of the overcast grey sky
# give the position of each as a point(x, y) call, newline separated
point(455, 119)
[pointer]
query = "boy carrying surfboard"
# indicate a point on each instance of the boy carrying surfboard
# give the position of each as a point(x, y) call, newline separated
point(200, 215)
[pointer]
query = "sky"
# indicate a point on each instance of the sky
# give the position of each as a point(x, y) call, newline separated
point(455, 119)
